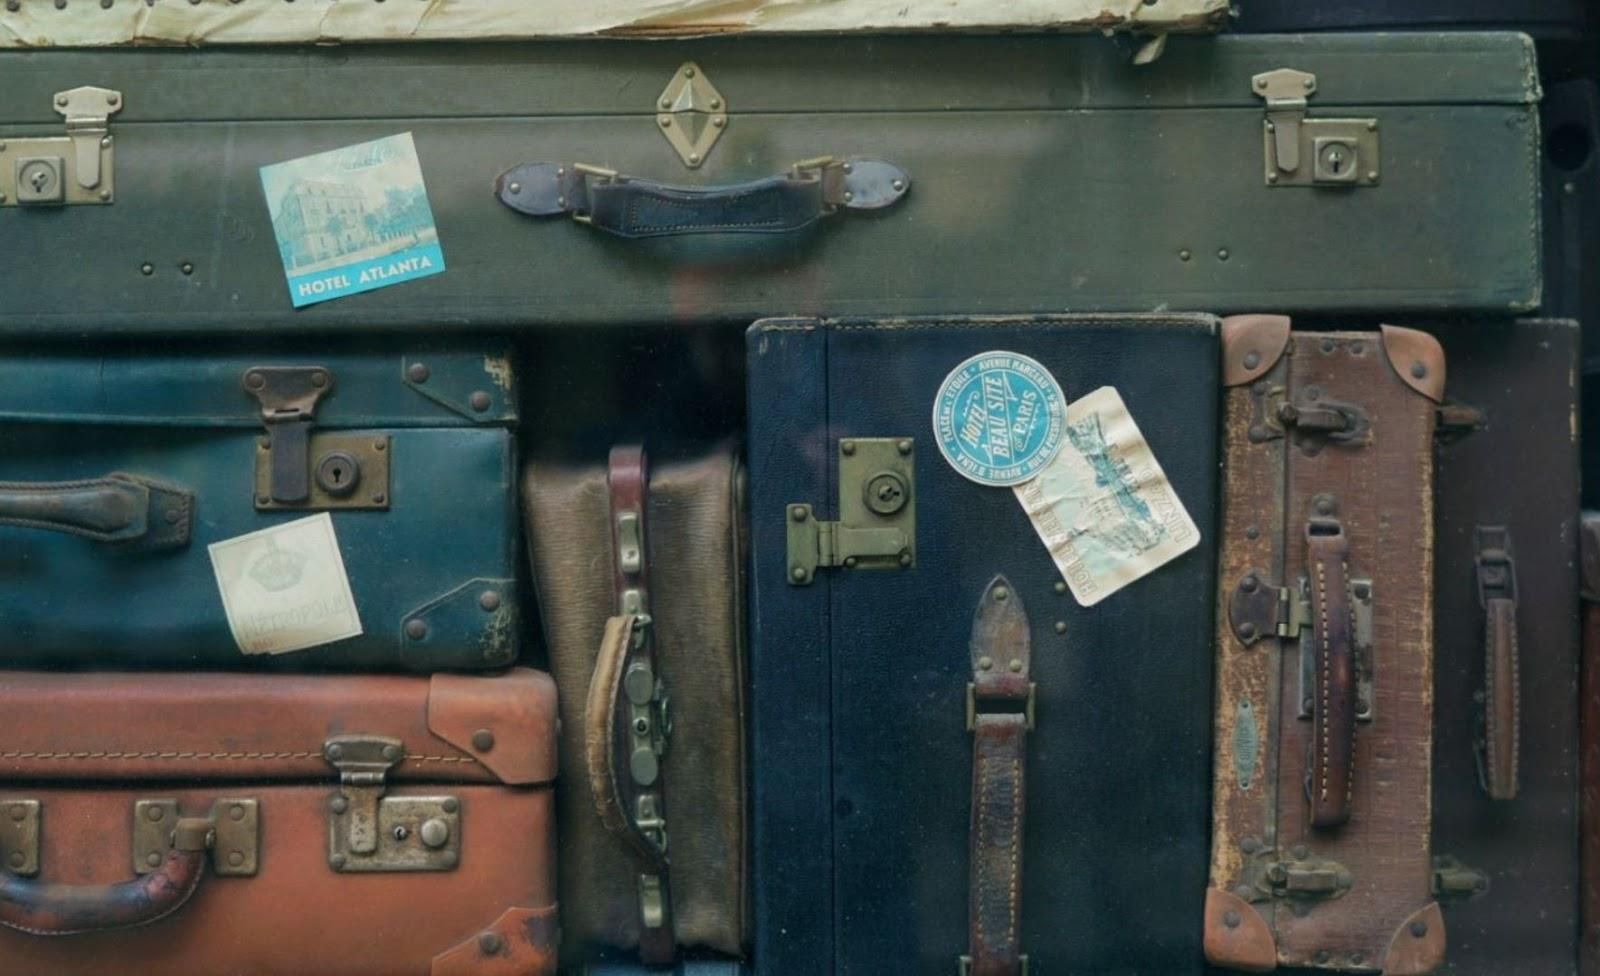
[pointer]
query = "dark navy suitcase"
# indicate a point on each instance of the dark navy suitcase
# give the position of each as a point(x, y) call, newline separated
point(864, 807)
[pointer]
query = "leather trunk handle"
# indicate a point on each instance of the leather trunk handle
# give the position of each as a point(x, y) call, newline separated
point(56, 909)
point(1499, 753)
point(1330, 765)
point(637, 208)
point(600, 744)
point(119, 508)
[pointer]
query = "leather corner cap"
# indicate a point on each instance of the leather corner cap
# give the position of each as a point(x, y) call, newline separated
point(1251, 345)
point(1417, 358)
point(506, 722)
point(1236, 935)
point(522, 942)
point(1589, 555)
point(1417, 947)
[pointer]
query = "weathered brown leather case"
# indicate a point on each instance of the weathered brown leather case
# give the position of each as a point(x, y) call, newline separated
point(694, 527)
point(1320, 852)
point(1589, 755)
point(1505, 756)
point(265, 825)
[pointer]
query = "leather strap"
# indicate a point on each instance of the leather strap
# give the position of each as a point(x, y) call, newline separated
point(120, 508)
point(638, 707)
point(637, 208)
point(999, 715)
point(1330, 766)
point(1502, 693)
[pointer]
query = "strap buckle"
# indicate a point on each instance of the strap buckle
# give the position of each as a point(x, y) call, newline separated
point(964, 966)
point(973, 712)
point(1496, 567)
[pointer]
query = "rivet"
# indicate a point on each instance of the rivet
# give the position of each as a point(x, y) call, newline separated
point(1300, 852)
point(19, 812)
point(236, 812)
point(1247, 630)
point(105, 194)
point(483, 740)
point(1251, 532)
point(1249, 845)
point(263, 500)
point(1015, 666)
point(1328, 345)
point(1000, 593)
point(1249, 583)
point(798, 513)
point(694, 157)
point(1261, 82)
point(561, 202)
point(186, 268)
point(336, 751)
point(154, 814)
point(1061, 586)
point(1271, 127)
point(850, 562)
point(337, 861)
point(1324, 506)
point(1272, 177)
point(1222, 254)
point(1419, 929)
point(448, 859)
point(985, 663)
point(1184, 254)
point(489, 600)
point(489, 943)
point(17, 860)
point(1372, 127)
point(1321, 956)
point(1309, 84)
point(719, 121)
point(847, 447)
point(1061, 626)
point(147, 268)
point(1252, 359)
point(380, 445)
point(848, 196)
point(903, 446)
point(1357, 958)
point(1244, 892)
point(848, 167)
point(898, 185)
point(378, 497)
point(665, 103)
point(515, 188)
point(1230, 918)
point(716, 103)
point(666, 123)
point(688, 72)
point(417, 372)
point(392, 753)
point(153, 859)
point(449, 805)
point(905, 559)
point(1418, 370)
point(479, 400)
point(797, 573)
point(416, 629)
point(236, 858)
point(61, 99)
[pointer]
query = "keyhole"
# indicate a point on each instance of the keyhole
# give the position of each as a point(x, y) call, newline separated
point(1336, 161)
point(39, 179)
point(338, 475)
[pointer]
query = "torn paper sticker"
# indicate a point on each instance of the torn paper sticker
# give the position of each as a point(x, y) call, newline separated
point(284, 588)
point(352, 219)
point(1104, 507)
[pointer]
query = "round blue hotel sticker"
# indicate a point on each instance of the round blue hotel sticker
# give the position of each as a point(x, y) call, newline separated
point(998, 418)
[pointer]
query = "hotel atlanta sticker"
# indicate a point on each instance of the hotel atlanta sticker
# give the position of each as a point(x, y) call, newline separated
point(352, 220)
point(998, 418)
point(284, 588)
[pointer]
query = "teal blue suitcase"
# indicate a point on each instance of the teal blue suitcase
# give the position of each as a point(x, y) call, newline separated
point(314, 506)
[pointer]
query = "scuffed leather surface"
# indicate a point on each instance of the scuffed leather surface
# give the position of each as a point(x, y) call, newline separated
point(234, 726)
point(523, 944)
point(517, 708)
point(296, 917)
point(695, 541)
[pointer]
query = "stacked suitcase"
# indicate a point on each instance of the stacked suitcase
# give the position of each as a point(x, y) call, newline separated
point(1154, 546)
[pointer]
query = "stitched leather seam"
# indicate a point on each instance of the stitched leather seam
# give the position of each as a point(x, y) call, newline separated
point(187, 895)
point(214, 756)
point(1322, 714)
point(1516, 702)
point(1350, 610)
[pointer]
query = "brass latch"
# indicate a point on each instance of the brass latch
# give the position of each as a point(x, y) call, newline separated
point(368, 831)
point(1308, 877)
point(693, 114)
point(1257, 610)
point(1456, 881)
point(299, 468)
point(1312, 152)
point(64, 170)
point(877, 526)
point(19, 837)
point(235, 826)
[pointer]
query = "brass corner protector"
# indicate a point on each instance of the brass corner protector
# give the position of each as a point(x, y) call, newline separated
point(1251, 346)
point(1417, 358)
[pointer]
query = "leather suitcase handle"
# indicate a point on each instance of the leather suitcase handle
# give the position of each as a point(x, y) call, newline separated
point(119, 508)
point(636, 208)
point(1329, 767)
point(57, 909)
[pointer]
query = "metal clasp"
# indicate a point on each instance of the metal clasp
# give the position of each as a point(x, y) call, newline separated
point(972, 705)
point(1496, 568)
point(1342, 152)
point(235, 835)
point(71, 169)
point(1456, 881)
point(877, 526)
point(369, 832)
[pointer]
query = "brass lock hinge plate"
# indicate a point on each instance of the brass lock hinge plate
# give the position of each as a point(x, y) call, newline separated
point(346, 472)
point(1456, 881)
point(19, 837)
point(877, 526)
point(71, 170)
point(692, 114)
point(1301, 877)
point(235, 822)
point(1312, 152)
point(369, 832)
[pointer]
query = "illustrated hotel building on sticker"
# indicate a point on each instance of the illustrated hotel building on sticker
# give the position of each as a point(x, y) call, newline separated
point(318, 220)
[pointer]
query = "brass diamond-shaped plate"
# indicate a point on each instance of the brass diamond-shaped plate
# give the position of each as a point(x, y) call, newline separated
point(692, 114)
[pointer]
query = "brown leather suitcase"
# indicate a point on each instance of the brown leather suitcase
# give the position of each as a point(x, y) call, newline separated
point(1320, 853)
point(640, 581)
point(265, 825)
point(1505, 756)
point(1589, 755)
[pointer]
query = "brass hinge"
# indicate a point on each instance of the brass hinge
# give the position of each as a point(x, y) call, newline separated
point(19, 837)
point(368, 831)
point(64, 170)
point(1308, 877)
point(1257, 610)
point(1312, 152)
point(1456, 881)
point(235, 826)
point(877, 526)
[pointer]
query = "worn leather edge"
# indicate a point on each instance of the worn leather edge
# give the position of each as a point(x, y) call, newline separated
point(521, 942)
point(1267, 336)
point(1249, 946)
point(599, 723)
point(1411, 352)
point(1417, 946)
point(517, 709)
point(1589, 555)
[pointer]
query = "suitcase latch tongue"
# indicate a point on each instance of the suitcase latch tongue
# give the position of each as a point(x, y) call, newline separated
point(64, 170)
point(877, 526)
point(1312, 152)
point(368, 831)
